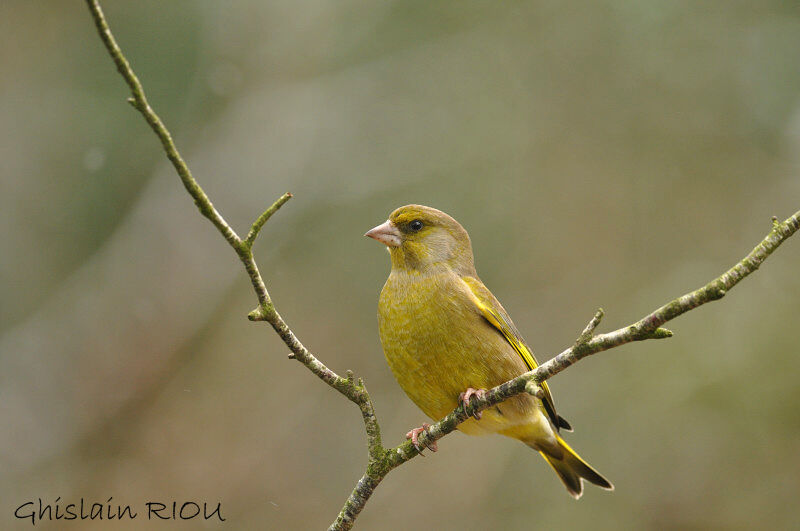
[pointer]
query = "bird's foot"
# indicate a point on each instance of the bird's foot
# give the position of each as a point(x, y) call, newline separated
point(464, 399)
point(414, 436)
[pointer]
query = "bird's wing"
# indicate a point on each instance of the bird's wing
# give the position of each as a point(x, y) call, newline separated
point(493, 311)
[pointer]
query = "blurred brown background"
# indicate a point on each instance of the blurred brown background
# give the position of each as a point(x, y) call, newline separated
point(612, 154)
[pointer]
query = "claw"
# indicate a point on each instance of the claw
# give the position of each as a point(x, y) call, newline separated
point(414, 436)
point(465, 397)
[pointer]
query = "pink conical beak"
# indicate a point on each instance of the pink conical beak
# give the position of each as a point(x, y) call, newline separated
point(386, 233)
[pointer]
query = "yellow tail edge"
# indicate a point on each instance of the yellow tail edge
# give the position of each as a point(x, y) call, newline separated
point(572, 470)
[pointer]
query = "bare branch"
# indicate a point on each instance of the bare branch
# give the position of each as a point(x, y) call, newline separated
point(588, 332)
point(356, 392)
point(263, 218)
point(534, 389)
point(139, 102)
point(356, 502)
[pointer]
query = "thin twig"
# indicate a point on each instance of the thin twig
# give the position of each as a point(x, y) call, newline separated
point(263, 218)
point(588, 332)
point(139, 102)
point(354, 391)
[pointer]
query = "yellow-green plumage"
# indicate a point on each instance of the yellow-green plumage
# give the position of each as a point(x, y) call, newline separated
point(443, 331)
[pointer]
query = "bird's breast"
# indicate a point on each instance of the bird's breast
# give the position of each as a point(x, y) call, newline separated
point(436, 342)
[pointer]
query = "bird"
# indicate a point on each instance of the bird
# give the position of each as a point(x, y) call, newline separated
point(447, 339)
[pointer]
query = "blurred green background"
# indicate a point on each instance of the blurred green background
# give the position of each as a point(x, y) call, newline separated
point(612, 154)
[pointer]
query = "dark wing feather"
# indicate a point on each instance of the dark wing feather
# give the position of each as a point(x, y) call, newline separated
point(495, 314)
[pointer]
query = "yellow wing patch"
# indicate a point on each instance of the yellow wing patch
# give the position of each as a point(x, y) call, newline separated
point(498, 322)
point(509, 331)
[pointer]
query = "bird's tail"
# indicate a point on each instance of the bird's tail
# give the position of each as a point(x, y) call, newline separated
point(572, 470)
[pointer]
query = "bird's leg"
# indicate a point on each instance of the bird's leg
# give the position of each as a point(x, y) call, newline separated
point(414, 436)
point(464, 399)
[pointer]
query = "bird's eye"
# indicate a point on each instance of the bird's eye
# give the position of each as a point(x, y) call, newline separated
point(415, 225)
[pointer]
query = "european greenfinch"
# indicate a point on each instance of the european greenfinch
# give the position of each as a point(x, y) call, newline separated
point(447, 338)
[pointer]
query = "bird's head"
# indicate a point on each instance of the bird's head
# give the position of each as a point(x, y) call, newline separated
point(421, 238)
